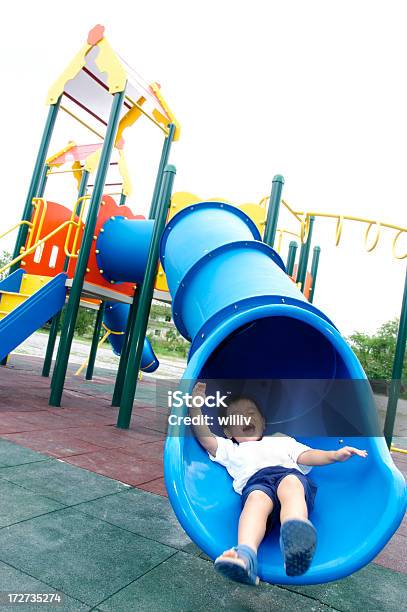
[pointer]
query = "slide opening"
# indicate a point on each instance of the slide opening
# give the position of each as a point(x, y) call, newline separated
point(302, 380)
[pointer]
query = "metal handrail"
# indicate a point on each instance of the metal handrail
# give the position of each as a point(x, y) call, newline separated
point(281, 233)
point(77, 224)
point(303, 217)
point(39, 241)
point(37, 219)
point(15, 227)
point(34, 246)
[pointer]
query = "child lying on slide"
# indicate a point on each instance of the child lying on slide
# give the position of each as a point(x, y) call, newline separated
point(270, 473)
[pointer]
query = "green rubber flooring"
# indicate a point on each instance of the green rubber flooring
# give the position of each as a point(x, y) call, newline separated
point(104, 545)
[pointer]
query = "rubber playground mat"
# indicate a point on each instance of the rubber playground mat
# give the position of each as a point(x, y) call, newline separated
point(103, 538)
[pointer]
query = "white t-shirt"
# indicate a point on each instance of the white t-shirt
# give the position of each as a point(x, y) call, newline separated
point(245, 459)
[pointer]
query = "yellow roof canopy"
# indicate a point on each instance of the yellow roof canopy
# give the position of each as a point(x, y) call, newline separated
point(94, 74)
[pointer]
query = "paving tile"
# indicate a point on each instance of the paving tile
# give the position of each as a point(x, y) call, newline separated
point(17, 504)
point(81, 555)
point(184, 583)
point(372, 589)
point(77, 419)
point(393, 556)
point(154, 435)
point(15, 405)
point(402, 530)
point(16, 422)
point(61, 481)
point(111, 437)
point(157, 422)
point(151, 451)
point(118, 465)
point(143, 513)
point(13, 454)
point(14, 581)
point(55, 443)
point(156, 486)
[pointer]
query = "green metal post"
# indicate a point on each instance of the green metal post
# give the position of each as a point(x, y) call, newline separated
point(53, 332)
point(165, 154)
point(68, 329)
point(314, 271)
point(273, 210)
point(146, 296)
point(124, 356)
point(35, 180)
point(118, 387)
point(397, 372)
point(43, 181)
point(304, 255)
point(123, 199)
point(292, 252)
point(95, 342)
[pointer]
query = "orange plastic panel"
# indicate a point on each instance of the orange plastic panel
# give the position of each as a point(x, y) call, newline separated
point(49, 259)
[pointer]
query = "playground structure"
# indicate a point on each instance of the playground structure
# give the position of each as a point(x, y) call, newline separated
point(103, 255)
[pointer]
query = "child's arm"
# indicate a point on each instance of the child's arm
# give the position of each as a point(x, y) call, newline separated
point(205, 437)
point(320, 457)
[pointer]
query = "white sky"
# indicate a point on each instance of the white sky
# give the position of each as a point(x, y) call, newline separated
point(312, 90)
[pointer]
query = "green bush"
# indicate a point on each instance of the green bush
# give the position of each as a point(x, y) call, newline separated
point(376, 351)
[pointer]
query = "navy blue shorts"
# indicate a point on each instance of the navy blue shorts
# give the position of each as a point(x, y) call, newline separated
point(268, 479)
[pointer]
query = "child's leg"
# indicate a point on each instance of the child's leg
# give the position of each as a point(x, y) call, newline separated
point(253, 519)
point(252, 522)
point(291, 494)
point(298, 537)
point(252, 527)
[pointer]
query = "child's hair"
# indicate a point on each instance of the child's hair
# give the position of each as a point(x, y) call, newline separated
point(232, 399)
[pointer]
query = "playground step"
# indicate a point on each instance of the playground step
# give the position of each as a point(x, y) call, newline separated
point(13, 293)
point(10, 300)
point(30, 283)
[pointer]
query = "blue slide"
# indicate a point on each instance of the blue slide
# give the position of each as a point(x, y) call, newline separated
point(32, 313)
point(252, 330)
point(115, 319)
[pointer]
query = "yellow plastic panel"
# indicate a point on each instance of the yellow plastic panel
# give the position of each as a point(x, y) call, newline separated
point(155, 88)
point(108, 62)
point(32, 282)
point(129, 119)
point(69, 73)
point(9, 301)
point(124, 173)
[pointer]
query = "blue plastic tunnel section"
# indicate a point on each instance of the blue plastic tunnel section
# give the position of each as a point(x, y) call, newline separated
point(121, 252)
point(115, 319)
point(249, 323)
point(122, 249)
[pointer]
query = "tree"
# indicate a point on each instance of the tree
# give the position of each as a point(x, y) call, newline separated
point(5, 258)
point(376, 351)
point(84, 323)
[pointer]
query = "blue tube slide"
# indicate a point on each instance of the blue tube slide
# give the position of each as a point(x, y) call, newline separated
point(115, 319)
point(249, 323)
point(121, 252)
